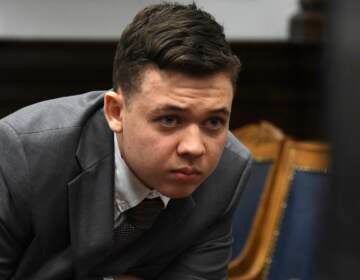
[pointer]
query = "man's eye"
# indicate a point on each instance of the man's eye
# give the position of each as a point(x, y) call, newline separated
point(214, 123)
point(168, 121)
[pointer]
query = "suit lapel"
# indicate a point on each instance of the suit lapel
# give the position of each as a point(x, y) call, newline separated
point(91, 202)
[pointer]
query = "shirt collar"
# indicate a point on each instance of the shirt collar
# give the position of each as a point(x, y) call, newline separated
point(129, 190)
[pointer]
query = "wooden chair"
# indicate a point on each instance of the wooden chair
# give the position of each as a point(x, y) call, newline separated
point(264, 141)
point(283, 246)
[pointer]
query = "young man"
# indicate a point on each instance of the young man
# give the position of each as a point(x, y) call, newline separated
point(77, 174)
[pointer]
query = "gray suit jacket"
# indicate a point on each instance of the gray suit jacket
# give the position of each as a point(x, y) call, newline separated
point(56, 202)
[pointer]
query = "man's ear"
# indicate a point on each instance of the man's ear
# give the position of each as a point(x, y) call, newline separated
point(113, 109)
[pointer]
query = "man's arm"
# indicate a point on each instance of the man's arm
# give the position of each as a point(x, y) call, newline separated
point(209, 257)
point(14, 225)
point(10, 248)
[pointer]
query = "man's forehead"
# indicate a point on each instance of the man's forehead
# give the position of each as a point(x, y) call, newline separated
point(165, 90)
point(162, 108)
point(153, 77)
point(168, 107)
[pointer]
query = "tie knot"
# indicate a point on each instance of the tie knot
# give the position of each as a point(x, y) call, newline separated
point(143, 215)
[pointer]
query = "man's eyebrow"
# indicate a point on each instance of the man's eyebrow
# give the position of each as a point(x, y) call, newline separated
point(223, 111)
point(172, 108)
point(168, 108)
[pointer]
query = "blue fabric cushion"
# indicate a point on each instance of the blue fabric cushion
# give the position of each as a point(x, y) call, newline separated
point(295, 252)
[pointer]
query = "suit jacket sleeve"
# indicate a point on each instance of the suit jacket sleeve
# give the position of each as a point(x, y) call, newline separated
point(14, 218)
point(209, 257)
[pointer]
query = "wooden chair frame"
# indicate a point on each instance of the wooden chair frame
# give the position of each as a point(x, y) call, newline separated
point(265, 142)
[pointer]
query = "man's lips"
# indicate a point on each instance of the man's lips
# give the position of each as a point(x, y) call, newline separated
point(188, 170)
point(187, 173)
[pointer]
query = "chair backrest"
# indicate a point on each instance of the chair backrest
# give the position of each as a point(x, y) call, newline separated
point(286, 240)
point(303, 184)
point(264, 141)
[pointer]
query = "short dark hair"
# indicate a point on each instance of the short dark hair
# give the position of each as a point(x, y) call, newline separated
point(172, 36)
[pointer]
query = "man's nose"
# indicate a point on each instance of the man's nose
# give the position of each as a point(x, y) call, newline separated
point(191, 143)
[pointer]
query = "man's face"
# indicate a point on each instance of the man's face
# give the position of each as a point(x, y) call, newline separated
point(172, 131)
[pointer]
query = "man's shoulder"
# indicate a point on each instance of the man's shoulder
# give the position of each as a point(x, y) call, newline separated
point(236, 148)
point(53, 114)
point(224, 186)
point(234, 165)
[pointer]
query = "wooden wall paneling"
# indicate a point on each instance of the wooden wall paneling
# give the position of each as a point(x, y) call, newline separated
point(280, 82)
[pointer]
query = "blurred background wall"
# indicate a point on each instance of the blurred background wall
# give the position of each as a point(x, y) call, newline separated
point(94, 19)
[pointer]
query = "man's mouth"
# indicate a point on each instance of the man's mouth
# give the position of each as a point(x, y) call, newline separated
point(187, 174)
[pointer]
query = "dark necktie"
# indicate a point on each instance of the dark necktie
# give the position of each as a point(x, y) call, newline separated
point(137, 220)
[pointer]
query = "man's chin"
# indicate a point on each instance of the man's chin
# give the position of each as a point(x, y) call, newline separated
point(177, 192)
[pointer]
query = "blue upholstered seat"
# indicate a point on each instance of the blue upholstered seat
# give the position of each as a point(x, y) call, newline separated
point(284, 243)
point(264, 141)
point(295, 251)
